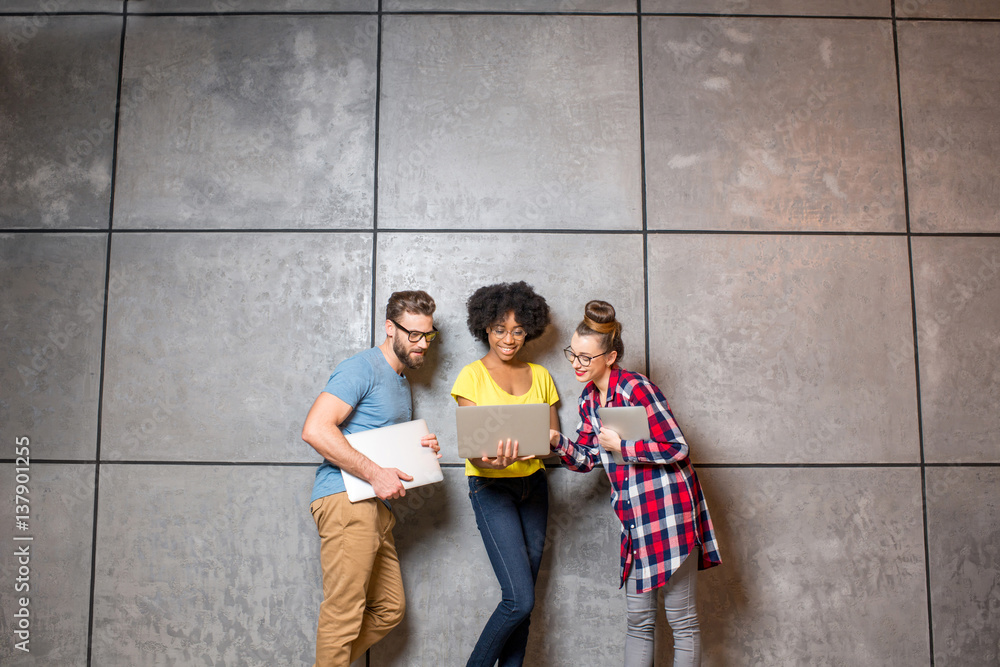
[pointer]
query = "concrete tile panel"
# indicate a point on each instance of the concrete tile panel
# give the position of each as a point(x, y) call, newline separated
point(218, 343)
point(52, 570)
point(820, 567)
point(949, 77)
point(219, 572)
point(438, 540)
point(786, 348)
point(45, 9)
point(505, 122)
point(562, 6)
point(438, 545)
point(52, 309)
point(771, 124)
point(772, 7)
point(947, 9)
point(957, 286)
point(963, 528)
point(230, 6)
point(452, 266)
point(580, 612)
point(264, 122)
point(57, 119)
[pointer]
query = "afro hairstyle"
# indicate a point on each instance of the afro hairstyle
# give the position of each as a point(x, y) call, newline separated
point(491, 303)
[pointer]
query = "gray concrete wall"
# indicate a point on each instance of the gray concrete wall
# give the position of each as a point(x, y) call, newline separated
point(793, 204)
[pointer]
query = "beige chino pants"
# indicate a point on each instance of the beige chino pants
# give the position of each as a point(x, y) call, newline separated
point(362, 585)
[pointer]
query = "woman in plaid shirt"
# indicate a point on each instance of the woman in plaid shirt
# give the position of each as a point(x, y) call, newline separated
point(655, 493)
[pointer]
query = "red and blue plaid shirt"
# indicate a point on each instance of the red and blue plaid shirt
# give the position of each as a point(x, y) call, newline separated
point(656, 494)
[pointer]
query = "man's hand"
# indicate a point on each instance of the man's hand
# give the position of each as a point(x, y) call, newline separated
point(610, 440)
point(387, 485)
point(506, 455)
point(554, 436)
point(431, 441)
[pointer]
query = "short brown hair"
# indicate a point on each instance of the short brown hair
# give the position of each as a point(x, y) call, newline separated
point(416, 302)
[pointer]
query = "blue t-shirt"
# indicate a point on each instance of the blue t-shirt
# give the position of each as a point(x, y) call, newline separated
point(379, 396)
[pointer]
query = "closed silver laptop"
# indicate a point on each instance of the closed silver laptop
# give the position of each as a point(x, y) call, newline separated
point(395, 446)
point(629, 422)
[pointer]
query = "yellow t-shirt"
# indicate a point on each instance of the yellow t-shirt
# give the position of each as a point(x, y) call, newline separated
point(475, 384)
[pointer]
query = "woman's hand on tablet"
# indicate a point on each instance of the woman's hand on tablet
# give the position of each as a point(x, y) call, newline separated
point(610, 440)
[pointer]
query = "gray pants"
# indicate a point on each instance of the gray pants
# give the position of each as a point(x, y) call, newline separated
point(679, 605)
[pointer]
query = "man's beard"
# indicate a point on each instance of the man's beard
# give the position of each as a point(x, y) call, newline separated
point(404, 356)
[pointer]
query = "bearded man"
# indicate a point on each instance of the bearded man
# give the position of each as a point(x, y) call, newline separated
point(362, 585)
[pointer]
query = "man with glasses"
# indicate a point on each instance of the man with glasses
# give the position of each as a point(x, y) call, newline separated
point(362, 585)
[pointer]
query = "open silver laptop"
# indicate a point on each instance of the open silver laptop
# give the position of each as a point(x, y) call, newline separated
point(481, 427)
point(396, 446)
point(629, 422)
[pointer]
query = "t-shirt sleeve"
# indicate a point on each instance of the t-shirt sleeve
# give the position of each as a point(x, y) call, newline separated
point(549, 392)
point(466, 385)
point(351, 380)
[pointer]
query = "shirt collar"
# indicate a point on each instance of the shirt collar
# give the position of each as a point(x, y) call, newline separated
point(592, 391)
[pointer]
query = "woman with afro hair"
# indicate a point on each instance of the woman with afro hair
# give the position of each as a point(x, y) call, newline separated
point(509, 493)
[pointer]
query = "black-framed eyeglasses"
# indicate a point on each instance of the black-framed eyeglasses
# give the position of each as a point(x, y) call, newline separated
point(500, 332)
point(583, 358)
point(415, 336)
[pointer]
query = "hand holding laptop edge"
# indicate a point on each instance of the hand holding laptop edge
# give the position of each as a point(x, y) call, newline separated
point(384, 482)
point(506, 455)
point(610, 440)
point(431, 441)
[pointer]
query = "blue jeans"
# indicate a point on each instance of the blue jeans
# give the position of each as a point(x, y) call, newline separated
point(511, 513)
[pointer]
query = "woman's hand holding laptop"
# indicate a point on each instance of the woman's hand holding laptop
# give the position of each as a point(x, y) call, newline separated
point(506, 454)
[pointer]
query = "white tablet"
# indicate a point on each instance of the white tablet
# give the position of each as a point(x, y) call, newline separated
point(628, 422)
point(481, 427)
point(396, 446)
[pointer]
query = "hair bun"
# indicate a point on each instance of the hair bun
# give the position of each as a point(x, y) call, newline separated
point(600, 316)
point(599, 311)
point(599, 319)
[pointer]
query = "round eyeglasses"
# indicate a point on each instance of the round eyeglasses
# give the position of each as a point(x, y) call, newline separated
point(584, 359)
point(500, 332)
point(414, 336)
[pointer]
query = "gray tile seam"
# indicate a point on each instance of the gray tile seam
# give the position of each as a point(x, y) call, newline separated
point(552, 466)
point(223, 15)
point(104, 342)
point(375, 230)
point(642, 185)
point(509, 230)
point(916, 346)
